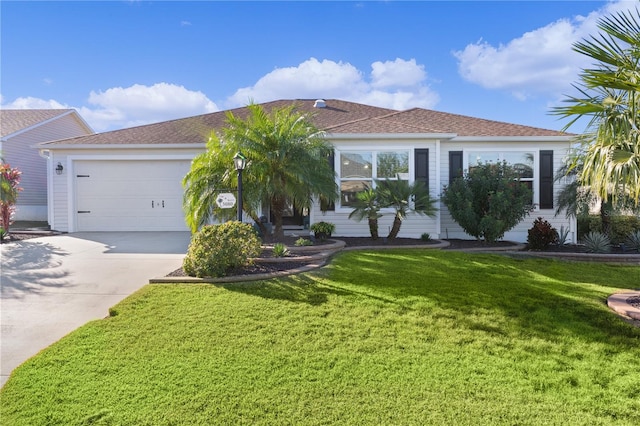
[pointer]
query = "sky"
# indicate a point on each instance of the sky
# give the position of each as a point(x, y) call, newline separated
point(128, 63)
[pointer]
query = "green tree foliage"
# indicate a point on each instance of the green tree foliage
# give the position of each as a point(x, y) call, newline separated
point(488, 201)
point(367, 206)
point(287, 164)
point(609, 153)
point(404, 198)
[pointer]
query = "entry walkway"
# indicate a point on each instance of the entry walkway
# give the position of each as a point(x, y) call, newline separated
point(52, 285)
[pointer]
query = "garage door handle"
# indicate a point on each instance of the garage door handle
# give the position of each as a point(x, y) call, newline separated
point(151, 204)
point(84, 211)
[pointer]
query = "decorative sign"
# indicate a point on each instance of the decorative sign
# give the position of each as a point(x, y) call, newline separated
point(226, 200)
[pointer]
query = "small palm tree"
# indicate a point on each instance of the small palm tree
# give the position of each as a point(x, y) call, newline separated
point(287, 165)
point(367, 206)
point(405, 198)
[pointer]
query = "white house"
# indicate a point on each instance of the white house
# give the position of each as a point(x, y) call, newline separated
point(20, 131)
point(130, 179)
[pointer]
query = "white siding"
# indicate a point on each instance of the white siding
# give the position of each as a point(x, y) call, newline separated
point(19, 151)
point(414, 225)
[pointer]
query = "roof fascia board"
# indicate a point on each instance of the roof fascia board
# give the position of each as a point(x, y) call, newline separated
point(513, 139)
point(376, 136)
point(45, 145)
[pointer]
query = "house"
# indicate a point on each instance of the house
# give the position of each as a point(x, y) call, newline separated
point(20, 131)
point(130, 179)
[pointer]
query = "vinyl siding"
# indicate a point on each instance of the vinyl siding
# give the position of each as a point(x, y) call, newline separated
point(19, 151)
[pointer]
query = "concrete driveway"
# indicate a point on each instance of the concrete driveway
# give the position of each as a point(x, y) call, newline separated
point(52, 285)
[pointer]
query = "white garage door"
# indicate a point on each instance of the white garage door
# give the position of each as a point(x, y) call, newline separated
point(130, 195)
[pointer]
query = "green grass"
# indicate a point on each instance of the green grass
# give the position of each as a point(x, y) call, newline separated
point(402, 337)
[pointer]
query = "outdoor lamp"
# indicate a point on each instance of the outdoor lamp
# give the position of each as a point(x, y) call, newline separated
point(239, 162)
point(59, 169)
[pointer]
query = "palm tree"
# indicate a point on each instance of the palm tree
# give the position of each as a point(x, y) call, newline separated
point(367, 206)
point(405, 198)
point(610, 148)
point(287, 164)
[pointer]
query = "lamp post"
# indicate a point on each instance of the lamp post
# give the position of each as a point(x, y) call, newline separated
point(239, 162)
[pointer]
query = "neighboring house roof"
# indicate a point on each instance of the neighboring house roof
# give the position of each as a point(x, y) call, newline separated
point(337, 117)
point(16, 121)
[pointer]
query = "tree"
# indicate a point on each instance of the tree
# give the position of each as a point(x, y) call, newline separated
point(287, 164)
point(9, 181)
point(404, 198)
point(488, 200)
point(367, 206)
point(609, 153)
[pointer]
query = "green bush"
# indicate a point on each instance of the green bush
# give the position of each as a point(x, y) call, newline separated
point(488, 201)
point(597, 242)
point(541, 235)
point(217, 249)
point(280, 250)
point(621, 226)
point(300, 242)
point(426, 237)
point(633, 241)
point(323, 230)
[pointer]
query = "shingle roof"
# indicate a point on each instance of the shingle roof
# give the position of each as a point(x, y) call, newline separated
point(14, 120)
point(338, 117)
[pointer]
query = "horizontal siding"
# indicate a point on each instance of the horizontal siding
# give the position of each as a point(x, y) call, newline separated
point(20, 152)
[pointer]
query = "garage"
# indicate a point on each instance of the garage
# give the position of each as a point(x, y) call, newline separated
point(129, 195)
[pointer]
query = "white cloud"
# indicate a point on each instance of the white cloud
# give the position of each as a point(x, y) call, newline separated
point(539, 62)
point(33, 103)
point(398, 73)
point(398, 84)
point(136, 105)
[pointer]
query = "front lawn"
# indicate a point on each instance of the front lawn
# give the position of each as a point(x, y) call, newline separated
point(401, 337)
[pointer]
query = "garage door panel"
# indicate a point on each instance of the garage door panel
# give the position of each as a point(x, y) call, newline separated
point(130, 195)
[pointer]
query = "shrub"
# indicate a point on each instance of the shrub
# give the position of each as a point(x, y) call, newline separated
point(280, 250)
point(621, 226)
point(541, 235)
point(303, 242)
point(425, 237)
point(216, 249)
point(597, 242)
point(633, 241)
point(563, 235)
point(488, 201)
point(323, 230)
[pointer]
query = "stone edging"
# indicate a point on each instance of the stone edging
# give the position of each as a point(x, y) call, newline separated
point(618, 303)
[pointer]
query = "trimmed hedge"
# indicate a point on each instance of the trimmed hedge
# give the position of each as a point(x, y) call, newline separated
point(621, 226)
point(217, 249)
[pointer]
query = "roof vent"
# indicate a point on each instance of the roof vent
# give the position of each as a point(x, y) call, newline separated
point(320, 103)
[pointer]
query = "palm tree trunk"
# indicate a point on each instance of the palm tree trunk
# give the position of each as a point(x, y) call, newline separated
point(277, 207)
point(395, 229)
point(605, 217)
point(373, 228)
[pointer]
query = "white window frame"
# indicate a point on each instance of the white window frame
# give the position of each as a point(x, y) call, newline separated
point(374, 168)
point(501, 151)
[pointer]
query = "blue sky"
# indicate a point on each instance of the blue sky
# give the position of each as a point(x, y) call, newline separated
point(126, 63)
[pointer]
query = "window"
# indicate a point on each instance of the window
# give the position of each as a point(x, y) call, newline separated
point(358, 169)
point(521, 161)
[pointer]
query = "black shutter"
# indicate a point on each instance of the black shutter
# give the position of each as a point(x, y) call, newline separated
point(546, 179)
point(326, 205)
point(455, 165)
point(421, 161)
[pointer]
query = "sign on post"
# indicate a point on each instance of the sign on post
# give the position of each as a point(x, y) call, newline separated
point(226, 200)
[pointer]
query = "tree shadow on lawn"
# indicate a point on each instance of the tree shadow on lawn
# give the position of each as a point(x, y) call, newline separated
point(543, 298)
